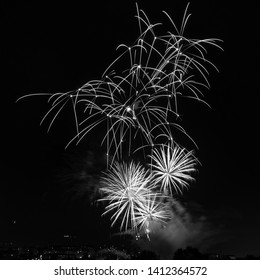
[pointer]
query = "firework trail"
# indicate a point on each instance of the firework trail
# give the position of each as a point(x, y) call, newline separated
point(142, 98)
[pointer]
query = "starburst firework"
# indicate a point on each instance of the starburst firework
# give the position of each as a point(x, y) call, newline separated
point(171, 167)
point(127, 188)
point(153, 211)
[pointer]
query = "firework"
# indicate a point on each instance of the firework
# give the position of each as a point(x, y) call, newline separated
point(171, 167)
point(153, 211)
point(137, 97)
point(140, 99)
point(127, 188)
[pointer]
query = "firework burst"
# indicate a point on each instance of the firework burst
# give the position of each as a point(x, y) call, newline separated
point(153, 211)
point(140, 98)
point(171, 167)
point(127, 188)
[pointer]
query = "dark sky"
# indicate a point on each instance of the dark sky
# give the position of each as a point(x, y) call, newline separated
point(50, 47)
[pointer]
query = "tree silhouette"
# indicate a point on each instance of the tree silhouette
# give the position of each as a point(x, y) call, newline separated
point(189, 253)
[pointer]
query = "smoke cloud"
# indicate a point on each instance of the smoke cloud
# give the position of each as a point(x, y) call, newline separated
point(186, 228)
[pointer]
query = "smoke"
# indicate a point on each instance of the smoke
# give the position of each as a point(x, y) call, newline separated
point(80, 177)
point(186, 228)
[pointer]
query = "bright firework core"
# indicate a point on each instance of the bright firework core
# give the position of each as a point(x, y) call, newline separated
point(130, 110)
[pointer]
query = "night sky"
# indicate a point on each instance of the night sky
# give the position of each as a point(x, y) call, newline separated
point(51, 47)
